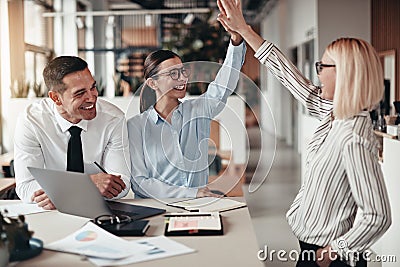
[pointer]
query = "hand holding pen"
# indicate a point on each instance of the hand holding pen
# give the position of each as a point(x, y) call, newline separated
point(109, 185)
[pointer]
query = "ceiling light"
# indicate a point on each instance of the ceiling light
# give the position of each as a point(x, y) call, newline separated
point(188, 19)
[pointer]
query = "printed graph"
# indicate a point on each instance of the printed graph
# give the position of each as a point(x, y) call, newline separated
point(86, 236)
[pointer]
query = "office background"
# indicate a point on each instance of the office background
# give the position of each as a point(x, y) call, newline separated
point(115, 42)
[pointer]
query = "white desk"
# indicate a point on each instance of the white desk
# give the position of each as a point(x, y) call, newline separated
point(237, 247)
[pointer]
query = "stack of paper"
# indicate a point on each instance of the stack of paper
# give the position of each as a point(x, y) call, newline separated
point(157, 247)
point(208, 204)
point(16, 209)
point(105, 249)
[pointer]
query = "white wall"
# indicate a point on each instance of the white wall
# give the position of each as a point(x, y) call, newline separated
point(292, 23)
point(286, 26)
point(342, 18)
point(389, 244)
point(301, 19)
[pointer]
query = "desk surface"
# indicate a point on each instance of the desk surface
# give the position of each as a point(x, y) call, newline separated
point(237, 247)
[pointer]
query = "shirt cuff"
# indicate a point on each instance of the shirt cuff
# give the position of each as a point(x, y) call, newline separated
point(192, 192)
point(237, 48)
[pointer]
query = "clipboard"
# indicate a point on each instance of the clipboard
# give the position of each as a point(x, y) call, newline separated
point(190, 224)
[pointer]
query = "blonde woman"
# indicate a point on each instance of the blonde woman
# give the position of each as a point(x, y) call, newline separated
point(342, 169)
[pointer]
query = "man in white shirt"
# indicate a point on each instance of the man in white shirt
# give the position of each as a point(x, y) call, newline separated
point(43, 134)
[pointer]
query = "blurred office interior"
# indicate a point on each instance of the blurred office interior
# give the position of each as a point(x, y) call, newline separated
point(114, 37)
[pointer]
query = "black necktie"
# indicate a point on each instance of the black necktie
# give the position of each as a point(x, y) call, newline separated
point(74, 153)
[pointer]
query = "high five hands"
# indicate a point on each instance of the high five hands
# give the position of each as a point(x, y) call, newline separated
point(235, 36)
point(231, 18)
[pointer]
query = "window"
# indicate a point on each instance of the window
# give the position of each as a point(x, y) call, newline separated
point(38, 43)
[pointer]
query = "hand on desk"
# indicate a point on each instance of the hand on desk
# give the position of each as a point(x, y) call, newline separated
point(206, 192)
point(42, 200)
point(109, 185)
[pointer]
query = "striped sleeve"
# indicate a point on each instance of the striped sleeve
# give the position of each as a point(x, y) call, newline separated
point(369, 192)
point(301, 88)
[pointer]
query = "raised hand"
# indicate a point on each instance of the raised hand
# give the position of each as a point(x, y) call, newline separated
point(231, 16)
point(235, 36)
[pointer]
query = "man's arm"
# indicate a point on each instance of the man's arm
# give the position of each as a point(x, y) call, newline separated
point(28, 153)
point(116, 161)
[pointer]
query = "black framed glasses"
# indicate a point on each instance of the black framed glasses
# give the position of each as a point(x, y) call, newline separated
point(175, 74)
point(112, 219)
point(319, 66)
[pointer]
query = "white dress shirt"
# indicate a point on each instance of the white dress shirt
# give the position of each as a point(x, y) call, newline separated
point(41, 140)
point(342, 171)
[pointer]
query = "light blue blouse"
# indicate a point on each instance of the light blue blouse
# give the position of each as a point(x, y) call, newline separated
point(171, 159)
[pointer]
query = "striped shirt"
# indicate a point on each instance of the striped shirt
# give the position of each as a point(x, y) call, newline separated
point(342, 171)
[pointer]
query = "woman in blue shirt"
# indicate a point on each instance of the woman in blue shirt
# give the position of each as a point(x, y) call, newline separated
point(169, 139)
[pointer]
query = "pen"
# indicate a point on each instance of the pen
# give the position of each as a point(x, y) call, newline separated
point(188, 215)
point(99, 166)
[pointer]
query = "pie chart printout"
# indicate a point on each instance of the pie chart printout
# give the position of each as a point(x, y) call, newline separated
point(86, 236)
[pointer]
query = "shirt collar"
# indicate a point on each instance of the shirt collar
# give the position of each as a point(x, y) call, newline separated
point(155, 117)
point(65, 125)
point(179, 109)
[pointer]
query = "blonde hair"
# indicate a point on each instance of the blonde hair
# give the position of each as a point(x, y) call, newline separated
point(359, 77)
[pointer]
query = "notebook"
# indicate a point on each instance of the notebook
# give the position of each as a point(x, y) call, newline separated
point(208, 204)
point(75, 193)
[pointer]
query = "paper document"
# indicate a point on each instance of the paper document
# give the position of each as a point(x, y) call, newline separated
point(13, 210)
point(157, 247)
point(205, 221)
point(208, 204)
point(93, 241)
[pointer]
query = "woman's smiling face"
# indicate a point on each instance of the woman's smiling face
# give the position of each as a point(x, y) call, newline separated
point(165, 85)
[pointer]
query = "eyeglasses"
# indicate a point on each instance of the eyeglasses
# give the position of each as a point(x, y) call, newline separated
point(319, 66)
point(175, 74)
point(111, 219)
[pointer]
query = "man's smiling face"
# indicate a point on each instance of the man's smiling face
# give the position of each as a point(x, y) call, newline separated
point(78, 101)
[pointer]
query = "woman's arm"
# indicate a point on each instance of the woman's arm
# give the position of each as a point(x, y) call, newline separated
point(290, 77)
point(369, 192)
point(231, 17)
point(225, 82)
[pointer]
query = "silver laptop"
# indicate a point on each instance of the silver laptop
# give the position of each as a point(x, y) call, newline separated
point(75, 193)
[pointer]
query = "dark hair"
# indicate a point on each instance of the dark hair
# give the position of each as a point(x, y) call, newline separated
point(151, 67)
point(58, 68)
